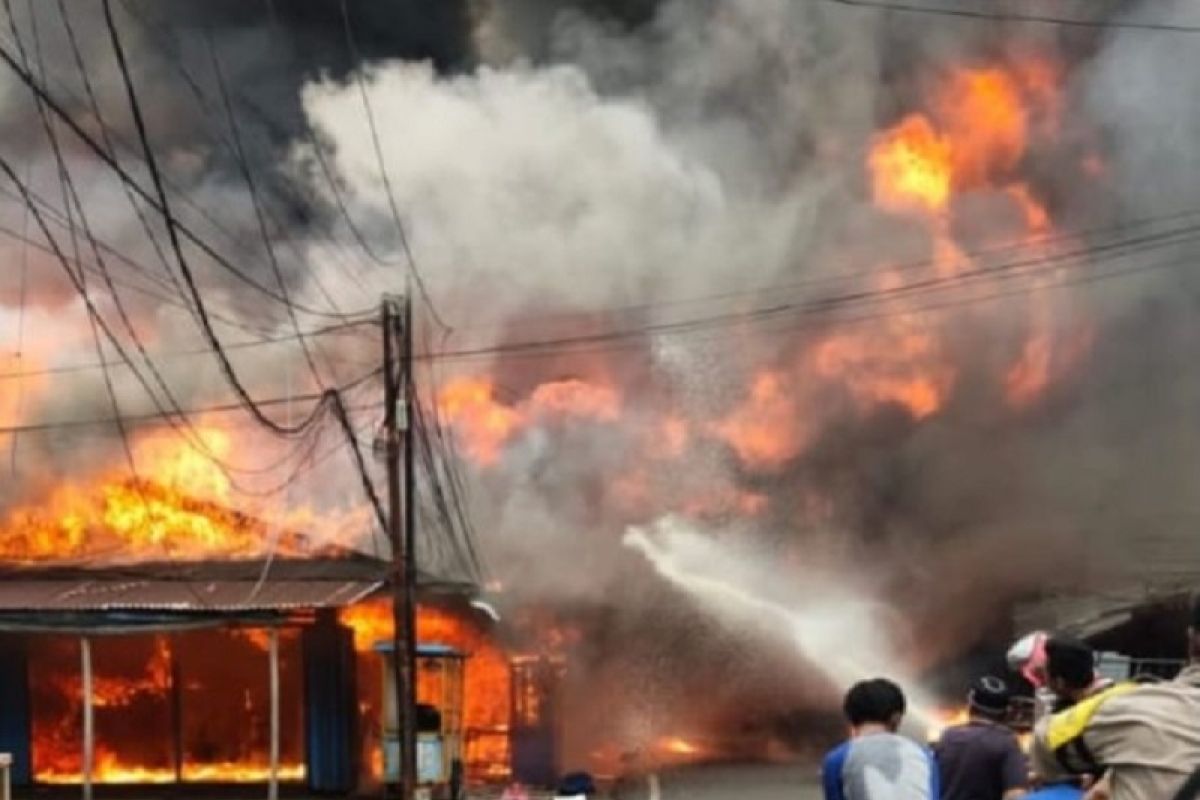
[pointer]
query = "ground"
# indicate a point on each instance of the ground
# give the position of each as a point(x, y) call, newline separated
point(749, 782)
point(737, 783)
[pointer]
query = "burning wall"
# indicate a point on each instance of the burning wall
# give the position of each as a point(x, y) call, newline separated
point(487, 691)
point(202, 695)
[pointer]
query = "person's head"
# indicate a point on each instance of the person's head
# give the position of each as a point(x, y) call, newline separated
point(1070, 667)
point(875, 702)
point(1194, 630)
point(989, 698)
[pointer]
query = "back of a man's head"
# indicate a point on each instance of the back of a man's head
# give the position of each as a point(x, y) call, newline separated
point(1070, 662)
point(876, 701)
point(989, 698)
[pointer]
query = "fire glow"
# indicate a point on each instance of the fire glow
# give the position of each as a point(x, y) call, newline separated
point(973, 136)
point(179, 506)
point(487, 691)
point(221, 700)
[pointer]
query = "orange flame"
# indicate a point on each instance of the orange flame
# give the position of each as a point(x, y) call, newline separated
point(17, 395)
point(178, 506)
point(486, 711)
point(766, 431)
point(487, 425)
point(945, 718)
point(912, 167)
point(985, 120)
point(906, 370)
point(470, 405)
point(131, 698)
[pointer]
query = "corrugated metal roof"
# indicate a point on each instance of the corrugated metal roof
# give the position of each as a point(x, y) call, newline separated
point(280, 585)
point(136, 594)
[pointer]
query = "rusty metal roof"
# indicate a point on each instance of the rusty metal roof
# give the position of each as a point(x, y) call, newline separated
point(222, 587)
point(129, 594)
point(283, 585)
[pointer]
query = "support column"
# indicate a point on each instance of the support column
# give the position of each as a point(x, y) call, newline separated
point(89, 733)
point(273, 650)
point(176, 709)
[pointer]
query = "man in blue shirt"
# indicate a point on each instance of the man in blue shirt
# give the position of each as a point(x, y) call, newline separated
point(876, 763)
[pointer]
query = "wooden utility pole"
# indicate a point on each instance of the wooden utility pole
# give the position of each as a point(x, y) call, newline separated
point(398, 421)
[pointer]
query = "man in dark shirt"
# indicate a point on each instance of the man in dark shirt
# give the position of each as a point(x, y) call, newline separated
point(982, 760)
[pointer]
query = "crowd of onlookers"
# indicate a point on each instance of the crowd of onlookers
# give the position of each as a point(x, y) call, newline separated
point(1098, 739)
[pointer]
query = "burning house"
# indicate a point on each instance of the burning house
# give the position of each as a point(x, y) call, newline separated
point(786, 340)
point(247, 657)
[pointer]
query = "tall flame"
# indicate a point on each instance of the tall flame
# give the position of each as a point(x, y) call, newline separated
point(178, 505)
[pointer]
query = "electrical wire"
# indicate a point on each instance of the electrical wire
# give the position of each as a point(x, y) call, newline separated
point(168, 45)
point(830, 303)
point(172, 354)
point(393, 206)
point(181, 229)
point(231, 375)
point(992, 16)
point(247, 176)
point(107, 140)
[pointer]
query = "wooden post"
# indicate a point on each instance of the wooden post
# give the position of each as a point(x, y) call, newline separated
point(89, 733)
point(6, 784)
point(399, 399)
point(176, 708)
point(273, 650)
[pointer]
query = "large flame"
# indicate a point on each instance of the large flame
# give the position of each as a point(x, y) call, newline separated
point(131, 697)
point(178, 505)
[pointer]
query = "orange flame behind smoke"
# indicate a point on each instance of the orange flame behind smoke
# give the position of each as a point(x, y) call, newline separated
point(986, 123)
point(973, 136)
point(766, 430)
point(487, 425)
point(900, 366)
point(17, 395)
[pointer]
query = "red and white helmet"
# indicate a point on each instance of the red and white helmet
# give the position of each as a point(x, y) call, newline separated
point(1028, 657)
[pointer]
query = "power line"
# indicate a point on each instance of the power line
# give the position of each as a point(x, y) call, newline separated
point(821, 306)
point(189, 280)
point(168, 45)
point(106, 136)
point(993, 16)
point(360, 81)
point(180, 228)
point(183, 426)
point(243, 165)
point(68, 193)
point(157, 416)
point(774, 290)
point(265, 342)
